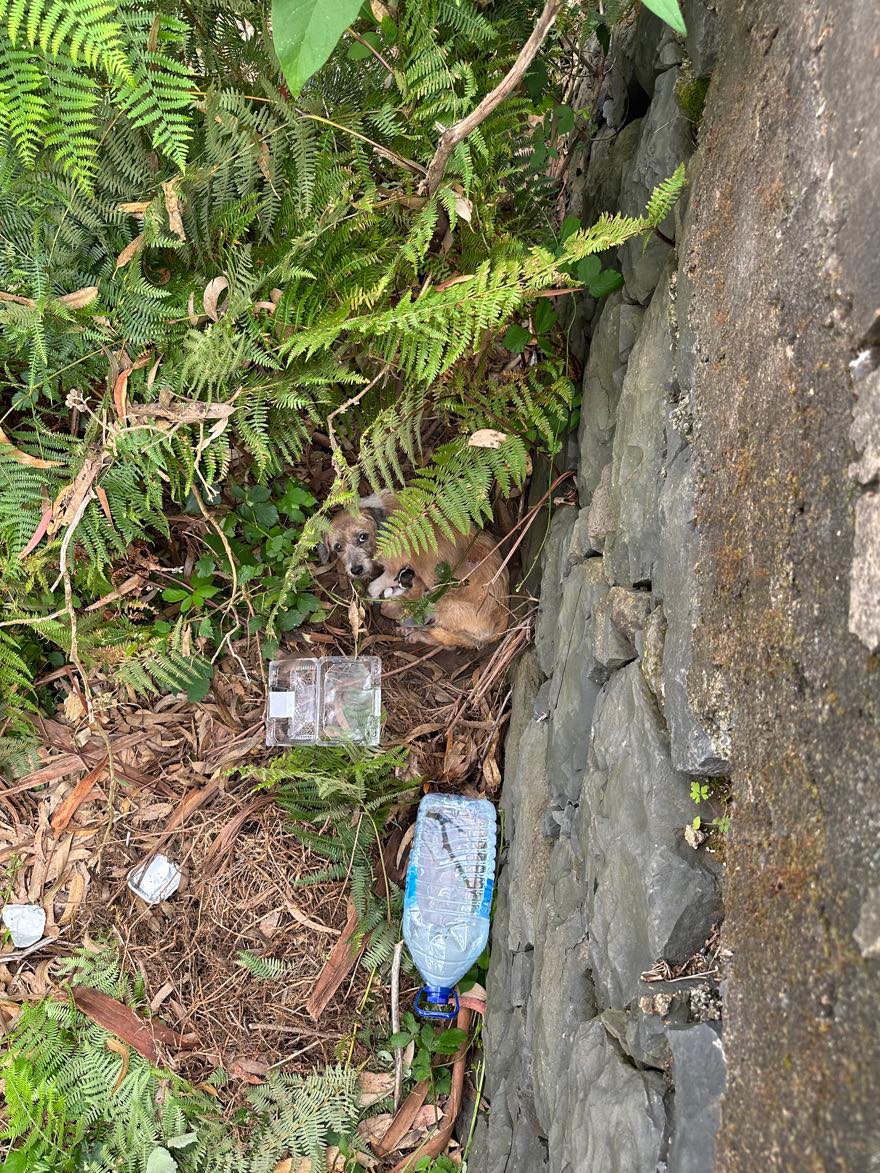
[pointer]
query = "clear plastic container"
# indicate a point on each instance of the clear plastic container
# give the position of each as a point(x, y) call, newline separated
point(448, 895)
point(324, 701)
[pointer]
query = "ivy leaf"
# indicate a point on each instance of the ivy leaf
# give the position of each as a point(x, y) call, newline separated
point(401, 1039)
point(569, 224)
point(516, 338)
point(564, 119)
point(588, 269)
point(606, 282)
point(358, 51)
point(174, 594)
point(543, 316)
point(449, 1041)
point(669, 11)
point(305, 33)
point(161, 1161)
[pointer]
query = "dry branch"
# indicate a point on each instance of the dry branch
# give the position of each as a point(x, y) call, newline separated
point(459, 131)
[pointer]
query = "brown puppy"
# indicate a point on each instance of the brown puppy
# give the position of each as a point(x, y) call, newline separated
point(465, 616)
point(351, 538)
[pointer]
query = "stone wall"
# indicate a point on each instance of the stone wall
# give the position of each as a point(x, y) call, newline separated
point(590, 1068)
point(710, 610)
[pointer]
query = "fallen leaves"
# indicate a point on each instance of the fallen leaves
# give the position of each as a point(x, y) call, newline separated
point(130, 251)
point(211, 297)
point(338, 966)
point(20, 457)
point(172, 208)
point(486, 438)
point(120, 1020)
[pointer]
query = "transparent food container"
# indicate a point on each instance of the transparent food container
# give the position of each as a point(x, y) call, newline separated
point(324, 701)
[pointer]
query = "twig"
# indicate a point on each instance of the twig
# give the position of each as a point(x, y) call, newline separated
point(395, 1021)
point(366, 44)
point(355, 399)
point(459, 131)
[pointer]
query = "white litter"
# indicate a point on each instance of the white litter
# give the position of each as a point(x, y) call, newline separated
point(156, 880)
point(25, 922)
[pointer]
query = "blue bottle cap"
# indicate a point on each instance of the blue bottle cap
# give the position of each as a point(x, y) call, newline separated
point(435, 997)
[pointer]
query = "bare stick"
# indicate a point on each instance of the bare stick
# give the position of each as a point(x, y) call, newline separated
point(459, 131)
point(395, 1021)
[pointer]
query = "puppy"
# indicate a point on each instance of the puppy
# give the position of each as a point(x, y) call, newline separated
point(468, 615)
point(351, 538)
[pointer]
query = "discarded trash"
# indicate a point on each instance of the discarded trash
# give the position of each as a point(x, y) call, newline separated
point(324, 701)
point(448, 895)
point(155, 880)
point(25, 922)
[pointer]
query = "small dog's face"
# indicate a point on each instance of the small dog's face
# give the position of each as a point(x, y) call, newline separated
point(351, 540)
point(395, 582)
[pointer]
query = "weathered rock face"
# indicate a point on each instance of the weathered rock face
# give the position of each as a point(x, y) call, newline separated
point(591, 1069)
point(709, 611)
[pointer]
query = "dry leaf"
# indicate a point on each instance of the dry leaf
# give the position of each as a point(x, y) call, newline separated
point(356, 616)
point(130, 250)
point(379, 11)
point(76, 891)
point(135, 207)
point(73, 707)
point(125, 1055)
point(20, 457)
point(37, 536)
point(101, 494)
point(211, 296)
point(120, 389)
point(464, 208)
point(487, 438)
point(374, 1086)
point(18, 299)
point(81, 298)
point(374, 1127)
point(172, 207)
point(268, 926)
point(182, 411)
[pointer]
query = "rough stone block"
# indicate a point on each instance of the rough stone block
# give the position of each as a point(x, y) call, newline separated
point(650, 649)
point(612, 342)
point(701, 21)
point(639, 447)
point(697, 745)
point(600, 516)
point(611, 1118)
point(699, 1072)
point(611, 647)
point(554, 567)
point(665, 141)
point(574, 686)
point(650, 896)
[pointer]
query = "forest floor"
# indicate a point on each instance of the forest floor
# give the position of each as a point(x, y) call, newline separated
point(159, 777)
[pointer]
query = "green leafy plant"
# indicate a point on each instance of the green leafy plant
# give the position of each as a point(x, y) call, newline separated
point(668, 11)
point(338, 801)
point(434, 1050)
point(74, 1102)
point(305, 33)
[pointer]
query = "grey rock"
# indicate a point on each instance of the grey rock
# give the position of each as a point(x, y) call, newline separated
point(698, 745)
point(574, 685)
point(865, 430)
point(526, 797)
point(611, 1117)
point(580, 546)
point(665, 141)
point(562, 993)
point(639, 447)
point(610, 156)
point(641, 1028)
point(629, 610)
point(867, 931)
point(864, 592)
point(612, 648)
point(554, 566)
point(701, 21)
point(612, 342)
point(699, 1071)
point(600, 516)
point(527, 682)
point(650, 896)
point(650, 649)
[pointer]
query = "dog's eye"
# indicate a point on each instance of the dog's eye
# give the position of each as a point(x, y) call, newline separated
point(363, 537)
point(338, 548)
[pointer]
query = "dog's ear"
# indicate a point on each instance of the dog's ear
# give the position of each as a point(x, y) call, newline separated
point(323, 553)
point(406, 577)
point(378, 514)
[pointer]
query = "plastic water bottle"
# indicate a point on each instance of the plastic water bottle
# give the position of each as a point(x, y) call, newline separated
point(448, 895)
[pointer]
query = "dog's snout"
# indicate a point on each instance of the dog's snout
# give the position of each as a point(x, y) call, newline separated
point(357, 569)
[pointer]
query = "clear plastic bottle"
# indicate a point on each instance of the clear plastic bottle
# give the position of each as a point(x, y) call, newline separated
point(448, 895)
